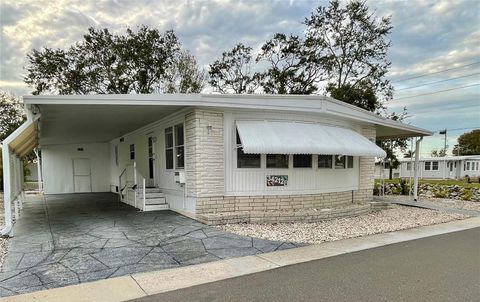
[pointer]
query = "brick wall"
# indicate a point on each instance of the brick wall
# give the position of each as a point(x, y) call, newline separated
point(204, 153)
point(224, 204)
point(367, 170)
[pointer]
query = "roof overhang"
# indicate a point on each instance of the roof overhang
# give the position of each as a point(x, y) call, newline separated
point(306, 104)
point(24, 139)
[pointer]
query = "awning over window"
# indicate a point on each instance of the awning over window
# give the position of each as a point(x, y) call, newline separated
point(26, 140)
point(283, 137)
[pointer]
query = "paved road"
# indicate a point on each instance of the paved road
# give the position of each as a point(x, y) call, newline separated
point(438, 268)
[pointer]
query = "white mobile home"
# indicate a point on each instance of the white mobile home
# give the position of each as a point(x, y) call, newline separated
point(453, 167)
point(217, 158)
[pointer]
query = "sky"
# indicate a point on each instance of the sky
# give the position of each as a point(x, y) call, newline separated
point(435, 50)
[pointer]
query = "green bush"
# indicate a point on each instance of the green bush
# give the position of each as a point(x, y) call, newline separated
point(467, 194)
point(440, 191)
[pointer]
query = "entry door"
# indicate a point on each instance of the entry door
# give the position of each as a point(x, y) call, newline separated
point(151, 181)
point(82, 180)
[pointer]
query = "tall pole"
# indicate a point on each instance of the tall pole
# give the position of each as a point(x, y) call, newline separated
point(417, 166)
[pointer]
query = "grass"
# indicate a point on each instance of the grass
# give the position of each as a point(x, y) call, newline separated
point(444, 182)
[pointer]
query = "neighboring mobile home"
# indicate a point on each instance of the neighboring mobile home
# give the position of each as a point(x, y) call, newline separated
point(217, 158)
point(453, 167)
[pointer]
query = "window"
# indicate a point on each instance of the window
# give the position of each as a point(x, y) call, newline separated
point(349, 162)
point(435, 165)
point(325, 161)
point(174, 147)
point(116, 155)
point(246, 160)
point(428, 166)
point(468, 166)
point(409, 166)
point(132, 151)
point(477, 166)
point(179, 147)
point(302, 160)
point(169, 148)
point(340, 161)
point(277, 161)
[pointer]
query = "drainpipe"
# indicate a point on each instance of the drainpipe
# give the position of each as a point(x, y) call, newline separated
point(415, 171)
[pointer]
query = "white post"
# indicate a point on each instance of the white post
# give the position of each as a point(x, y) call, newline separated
point(39, 171)
point(143, 193)
point(7, 189)
point(415, 172)
point(135, 182)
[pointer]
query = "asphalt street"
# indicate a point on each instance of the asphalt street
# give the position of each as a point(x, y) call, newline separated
point(438, 268)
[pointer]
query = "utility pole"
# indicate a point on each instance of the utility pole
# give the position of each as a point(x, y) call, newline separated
point(444, 140)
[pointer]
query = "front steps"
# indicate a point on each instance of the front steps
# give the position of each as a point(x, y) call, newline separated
point(154, 199)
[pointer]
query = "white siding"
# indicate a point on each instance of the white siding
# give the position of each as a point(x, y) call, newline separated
point(57, 166)
point(248, 181)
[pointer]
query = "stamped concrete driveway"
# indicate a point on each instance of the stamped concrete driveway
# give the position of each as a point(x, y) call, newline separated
point(68, 239)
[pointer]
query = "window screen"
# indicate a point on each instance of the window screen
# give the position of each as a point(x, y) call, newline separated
point(340, 161)
point(349, 161)
point(277, 161)
point(246, 160)
point(325, 161)
point(302, 161)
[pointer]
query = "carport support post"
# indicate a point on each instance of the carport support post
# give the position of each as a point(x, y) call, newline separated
point(415, 171)
point(7, 188)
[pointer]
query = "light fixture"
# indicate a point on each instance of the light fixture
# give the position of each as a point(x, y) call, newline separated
point(209, 128)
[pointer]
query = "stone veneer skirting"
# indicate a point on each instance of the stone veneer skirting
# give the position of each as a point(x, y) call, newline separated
point(282, 208)
point(277, 216)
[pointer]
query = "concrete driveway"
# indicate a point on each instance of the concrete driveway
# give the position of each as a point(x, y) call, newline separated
point(73, 238)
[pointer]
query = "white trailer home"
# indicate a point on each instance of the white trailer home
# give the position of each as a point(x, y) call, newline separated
point(453, 167)
point(217, 158)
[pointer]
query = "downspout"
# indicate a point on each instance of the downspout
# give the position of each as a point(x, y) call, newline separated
point(39, 170)
point(415, 172)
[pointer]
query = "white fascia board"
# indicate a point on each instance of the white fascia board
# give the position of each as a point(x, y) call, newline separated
point(292, 103)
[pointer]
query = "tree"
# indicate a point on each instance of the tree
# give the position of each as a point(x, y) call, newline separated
point(468, 143)
point(233, 73)
point(390, 146)
point(409, 154)
point(439, 153)
point(12, 114)
point(141, 61)
point(185, 76)
point(352, 44)
point(290, 68)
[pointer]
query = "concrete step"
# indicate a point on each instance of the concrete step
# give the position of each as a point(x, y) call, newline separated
point(154, 195)
point(158, 207)
point(155, 201)
point(152, 190)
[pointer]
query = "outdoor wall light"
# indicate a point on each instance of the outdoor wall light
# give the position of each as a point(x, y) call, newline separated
point(209, 129)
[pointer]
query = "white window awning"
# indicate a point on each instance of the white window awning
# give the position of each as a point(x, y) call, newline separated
point(285, 137)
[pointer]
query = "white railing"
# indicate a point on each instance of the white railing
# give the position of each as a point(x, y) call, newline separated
point(140, 187)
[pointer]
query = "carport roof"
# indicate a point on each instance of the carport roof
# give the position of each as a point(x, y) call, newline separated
point(151, 107)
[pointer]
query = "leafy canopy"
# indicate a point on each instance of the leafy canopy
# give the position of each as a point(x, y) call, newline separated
point(144, 61)
point(12, 114)
point(468, 143)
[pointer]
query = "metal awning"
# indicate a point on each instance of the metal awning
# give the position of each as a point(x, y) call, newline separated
point(26, 140)
point(285, 137)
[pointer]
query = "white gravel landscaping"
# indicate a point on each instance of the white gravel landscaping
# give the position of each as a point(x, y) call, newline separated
point(445, 202)
point(3, 241)
point(396, 218)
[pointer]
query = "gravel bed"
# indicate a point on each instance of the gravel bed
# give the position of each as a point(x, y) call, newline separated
point(3, 241)
point(446, 202)
point(396, 218)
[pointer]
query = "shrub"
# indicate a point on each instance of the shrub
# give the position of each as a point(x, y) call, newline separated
point(467, 194)
point(440, 191)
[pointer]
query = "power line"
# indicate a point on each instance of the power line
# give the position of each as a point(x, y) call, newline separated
point(427, 74)
point(435, 92)
point(441, 81)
